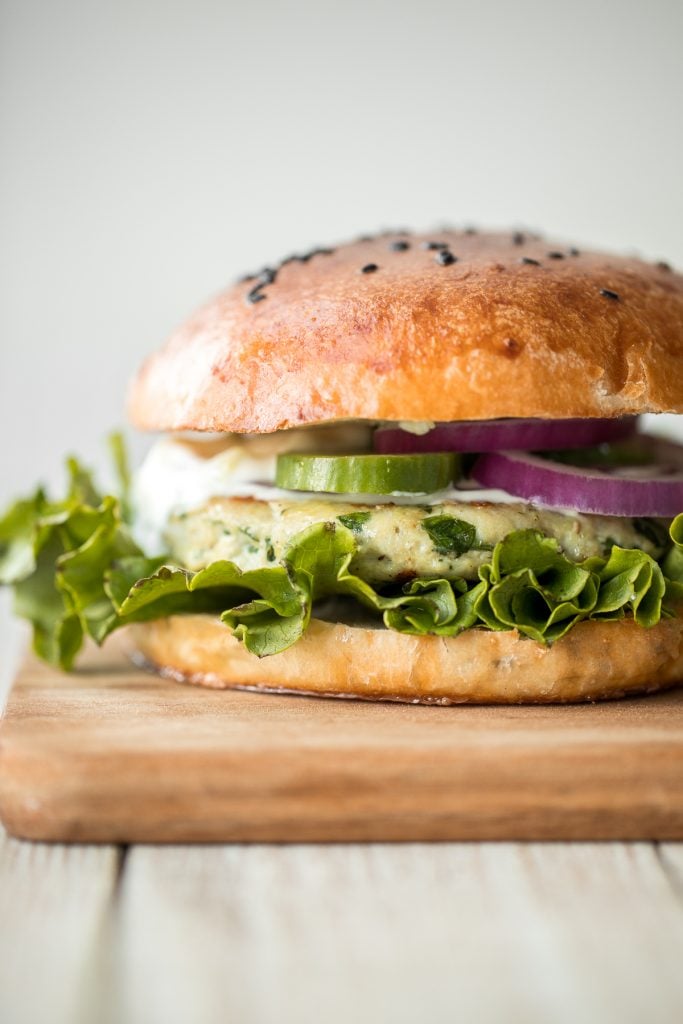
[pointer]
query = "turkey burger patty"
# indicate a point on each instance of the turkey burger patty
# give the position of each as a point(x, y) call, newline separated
point(394, 542)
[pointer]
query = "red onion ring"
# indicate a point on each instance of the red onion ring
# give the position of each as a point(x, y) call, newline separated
point(499, 435)
point(654, 490)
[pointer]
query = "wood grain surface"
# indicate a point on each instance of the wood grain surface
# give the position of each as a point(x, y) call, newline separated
point(493, 933)
point(112, 754)
point(399, 934)
point(55, 904)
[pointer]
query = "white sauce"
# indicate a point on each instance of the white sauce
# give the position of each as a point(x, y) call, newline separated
point(418, 427)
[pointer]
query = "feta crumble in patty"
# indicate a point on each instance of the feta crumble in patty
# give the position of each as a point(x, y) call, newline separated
point(395, 542)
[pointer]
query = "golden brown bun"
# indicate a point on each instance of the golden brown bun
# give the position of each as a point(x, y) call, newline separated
point(486, 336)
point(595, 660)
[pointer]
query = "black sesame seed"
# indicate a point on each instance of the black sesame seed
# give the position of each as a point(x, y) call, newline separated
point(245, 278)
point(444, 257)
point(519, 238)
point(369, 268)
point(574, 251)
point(365, 238)
point(399, 246)
point(663, 265)
point(555, 255)
point(434, 245)
point(609, 294)
point(470, 231)
point(264, 277)
point(529, 261)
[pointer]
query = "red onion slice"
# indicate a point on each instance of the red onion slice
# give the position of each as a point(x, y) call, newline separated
point(653, 490)
point(499, 435)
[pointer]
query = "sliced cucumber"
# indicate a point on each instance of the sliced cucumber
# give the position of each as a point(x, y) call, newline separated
point(367, 474)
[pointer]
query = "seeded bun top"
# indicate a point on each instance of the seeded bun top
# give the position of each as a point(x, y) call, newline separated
point(446, 326)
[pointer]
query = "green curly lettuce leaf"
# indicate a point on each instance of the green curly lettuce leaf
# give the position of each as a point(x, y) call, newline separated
point(273, 617)
point(57, 629)
point(531, 586)
point(119, 457)
point(672, 564)
point(535, 588)
point(442, 607)
point(630, 580)
point(27, 525)
point(77, 572)
point(38, 543)
point(17, 529)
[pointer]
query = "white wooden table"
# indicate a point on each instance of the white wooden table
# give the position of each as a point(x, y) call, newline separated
point(406, 933)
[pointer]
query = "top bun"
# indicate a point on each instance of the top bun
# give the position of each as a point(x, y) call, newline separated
point(450, 325)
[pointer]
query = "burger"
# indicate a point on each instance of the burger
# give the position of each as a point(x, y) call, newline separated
point(408, 467)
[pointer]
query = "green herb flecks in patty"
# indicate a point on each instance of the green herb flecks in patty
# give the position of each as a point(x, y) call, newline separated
point(452, 536)
point(354, 521)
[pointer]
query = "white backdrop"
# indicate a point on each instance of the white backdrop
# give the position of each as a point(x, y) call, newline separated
point(152, 150)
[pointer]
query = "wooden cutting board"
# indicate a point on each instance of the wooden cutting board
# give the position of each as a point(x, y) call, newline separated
point(112, 754)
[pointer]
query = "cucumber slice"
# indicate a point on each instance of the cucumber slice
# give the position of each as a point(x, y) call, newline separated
point(367, 474)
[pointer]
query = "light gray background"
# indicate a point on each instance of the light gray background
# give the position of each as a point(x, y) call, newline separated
point(151, 151)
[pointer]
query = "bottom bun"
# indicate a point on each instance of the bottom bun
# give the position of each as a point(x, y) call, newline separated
point(596, 660)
